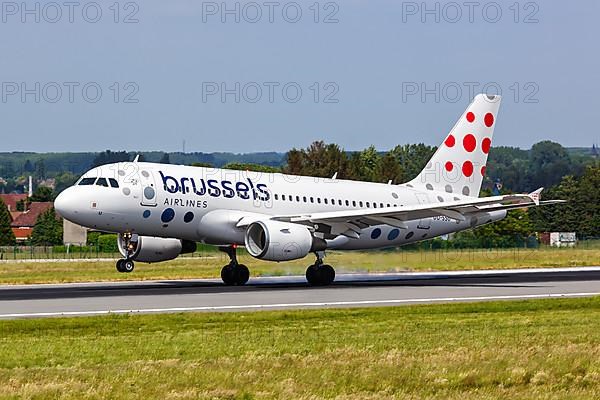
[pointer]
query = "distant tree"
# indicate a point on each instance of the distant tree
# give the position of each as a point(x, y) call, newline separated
point(363, 164)
point(413, 158)
point(109, 157)
point(48, 229)
point(512, 231)
point(7, 169)
point(319, 159)
point(7, 237)
point(295, 162)
point(42, 193)
point(388, 169)
point(548, 163)
point(581, 212)
point(588, 202)
point(28, 167)
point(251, 167)
point(202, 164)
point(63, 181)
point(165, 159)
point(40, 169)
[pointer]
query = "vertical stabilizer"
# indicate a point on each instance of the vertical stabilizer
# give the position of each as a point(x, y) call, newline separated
point(458, 166)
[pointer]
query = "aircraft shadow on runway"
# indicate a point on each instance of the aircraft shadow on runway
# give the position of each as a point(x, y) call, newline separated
point(513, 280)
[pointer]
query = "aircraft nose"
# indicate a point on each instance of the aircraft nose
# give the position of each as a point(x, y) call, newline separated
point(66, 203)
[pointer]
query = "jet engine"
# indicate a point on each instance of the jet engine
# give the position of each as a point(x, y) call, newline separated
point(280, 241)
point(153, 249)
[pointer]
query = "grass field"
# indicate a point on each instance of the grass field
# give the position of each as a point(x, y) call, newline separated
point(210, 264)
point(546, 349)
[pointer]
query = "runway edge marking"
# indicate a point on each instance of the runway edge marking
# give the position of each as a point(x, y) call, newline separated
point(296, 305)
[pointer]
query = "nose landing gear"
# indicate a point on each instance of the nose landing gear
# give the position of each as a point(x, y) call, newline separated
point(320, 274)
point(234, 273)
point(127, 265)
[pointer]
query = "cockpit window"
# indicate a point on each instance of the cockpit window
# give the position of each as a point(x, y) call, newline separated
point(113, 182)
point(87, 181)
point(102, 182)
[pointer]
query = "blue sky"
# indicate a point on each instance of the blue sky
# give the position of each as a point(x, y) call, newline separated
point(357, 76)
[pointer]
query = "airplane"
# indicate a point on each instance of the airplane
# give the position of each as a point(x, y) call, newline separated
point(161, 211)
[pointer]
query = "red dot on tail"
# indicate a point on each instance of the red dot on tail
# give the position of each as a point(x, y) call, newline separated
point(485, 145)
point(488, 119)
point(467, 168)
point(449, 166)
point(470, 116)
point(483, 171)
point(469, 142)
point(450, 141)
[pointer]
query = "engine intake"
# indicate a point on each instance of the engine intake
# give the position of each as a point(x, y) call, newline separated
point(154, 249)
point(280, 241)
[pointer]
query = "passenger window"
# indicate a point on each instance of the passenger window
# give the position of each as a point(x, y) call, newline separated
point(368, 205)
point(102, 182)
point(87, 181)
point(113, 182)
point(291, 197)
point(381, 205)
point(347, 203)
point(283, 197)
point(304, 198)
point(360, 203)
point(319, 200)
point(276, 197)
point(298, 199)
point(353, 203)
point(374, 205)
point(312, 199)
point(325, 200)
point(340, 202)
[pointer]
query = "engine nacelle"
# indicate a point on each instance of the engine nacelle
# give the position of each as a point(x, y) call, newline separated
point(280, 241)
point(154, 249)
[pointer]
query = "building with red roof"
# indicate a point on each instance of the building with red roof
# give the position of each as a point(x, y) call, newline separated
point(23, 222)
point(12, 199)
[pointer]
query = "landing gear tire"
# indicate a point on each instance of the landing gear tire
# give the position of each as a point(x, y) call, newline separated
point(320, 275)
point(125, 266)
point(128, 266)
point(235, 274)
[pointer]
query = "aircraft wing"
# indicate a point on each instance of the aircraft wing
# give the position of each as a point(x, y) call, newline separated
point(351, 222)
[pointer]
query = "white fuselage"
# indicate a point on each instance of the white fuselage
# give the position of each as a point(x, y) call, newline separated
point(204, 204)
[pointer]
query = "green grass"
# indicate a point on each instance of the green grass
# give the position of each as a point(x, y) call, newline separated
point(530, 349)
point(209, 266)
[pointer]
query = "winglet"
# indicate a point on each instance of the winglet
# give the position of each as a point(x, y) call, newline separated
point(136, 158)
point(535, 196)
point(334, 176)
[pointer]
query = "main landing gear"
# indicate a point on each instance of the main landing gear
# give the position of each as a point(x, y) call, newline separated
point(320, 274)
point(234, 274)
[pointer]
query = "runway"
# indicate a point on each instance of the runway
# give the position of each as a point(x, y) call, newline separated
point(272, 293)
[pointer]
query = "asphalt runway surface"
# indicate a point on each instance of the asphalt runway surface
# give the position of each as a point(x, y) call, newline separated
point(273, 293)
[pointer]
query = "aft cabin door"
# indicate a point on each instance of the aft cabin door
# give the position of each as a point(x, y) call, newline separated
point(424, 223)
point(149, 192)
